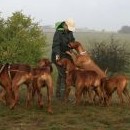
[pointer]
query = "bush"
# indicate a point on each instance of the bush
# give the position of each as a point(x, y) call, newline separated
point(113, 55)
point(21, 40)
point(124, 29)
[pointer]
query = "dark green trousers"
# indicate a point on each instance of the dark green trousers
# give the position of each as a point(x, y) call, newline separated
point(60, 84)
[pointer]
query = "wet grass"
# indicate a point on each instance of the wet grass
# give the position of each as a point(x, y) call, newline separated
point(65, 117)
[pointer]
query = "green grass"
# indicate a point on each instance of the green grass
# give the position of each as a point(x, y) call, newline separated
point(65, 117)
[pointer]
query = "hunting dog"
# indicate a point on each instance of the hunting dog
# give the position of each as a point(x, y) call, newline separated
point(83, 60)
point(6, 84)
point(33, 78)
point(83, 80)
point(20, 74)
point(42, 77)
point(116, 83)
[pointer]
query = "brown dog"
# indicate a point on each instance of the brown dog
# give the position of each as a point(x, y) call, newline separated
point(20, 74)
point(81, 79)
point(5, 81)
point(116, 83)
point(83, 59)
point(41, 78)
point(45, 62)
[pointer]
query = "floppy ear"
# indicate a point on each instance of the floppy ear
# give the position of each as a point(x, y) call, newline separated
point(70, 45)
point(65, 63)
point(73, 45)
point(51, 68)
point(48, 62)
point(74, 55)
point(59, 62)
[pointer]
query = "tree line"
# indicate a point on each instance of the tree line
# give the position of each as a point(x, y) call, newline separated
point(124, 29)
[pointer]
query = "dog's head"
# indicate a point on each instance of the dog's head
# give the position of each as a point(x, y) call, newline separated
point(45, 63)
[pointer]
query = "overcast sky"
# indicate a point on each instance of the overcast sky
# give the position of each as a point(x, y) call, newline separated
point(93, 14)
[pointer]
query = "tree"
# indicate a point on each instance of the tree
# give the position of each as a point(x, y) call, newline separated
point(124, 29)
point(113, 55)
point(23, 40)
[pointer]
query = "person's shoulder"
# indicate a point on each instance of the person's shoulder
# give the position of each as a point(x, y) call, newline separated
point(59, 31)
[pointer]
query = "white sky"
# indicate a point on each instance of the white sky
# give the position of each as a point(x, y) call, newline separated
point(110, 15)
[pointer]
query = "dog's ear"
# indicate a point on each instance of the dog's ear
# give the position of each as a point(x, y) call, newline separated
point(51, 69)
point(64, 63)
point(69, 45)
point(59, 62)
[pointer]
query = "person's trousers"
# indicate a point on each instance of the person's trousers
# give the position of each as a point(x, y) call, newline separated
point(60, 84)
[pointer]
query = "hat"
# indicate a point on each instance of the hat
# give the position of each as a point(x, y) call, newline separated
point(71, 25)
point(57, 24)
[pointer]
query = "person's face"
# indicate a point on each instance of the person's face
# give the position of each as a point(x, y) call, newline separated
point(65, 27)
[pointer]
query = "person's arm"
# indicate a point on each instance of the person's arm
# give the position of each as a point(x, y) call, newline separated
point(72, 37)
point(56, 44)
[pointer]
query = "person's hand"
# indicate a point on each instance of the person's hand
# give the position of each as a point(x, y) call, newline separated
point(57, 57)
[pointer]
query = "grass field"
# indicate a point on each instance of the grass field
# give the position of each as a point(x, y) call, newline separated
point(68, 116)
point(65, 117)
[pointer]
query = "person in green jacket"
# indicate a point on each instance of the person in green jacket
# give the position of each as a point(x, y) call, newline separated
point(62, 37)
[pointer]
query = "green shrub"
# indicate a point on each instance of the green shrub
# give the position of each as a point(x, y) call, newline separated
point(21, 40)
point(113, 55)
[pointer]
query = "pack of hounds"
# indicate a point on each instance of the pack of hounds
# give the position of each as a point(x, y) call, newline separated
point(89, 80)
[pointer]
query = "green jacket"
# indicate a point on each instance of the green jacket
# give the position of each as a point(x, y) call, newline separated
point(60, 42)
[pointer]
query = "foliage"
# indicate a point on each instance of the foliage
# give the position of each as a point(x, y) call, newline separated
point(21, 39)
point(113, 55)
